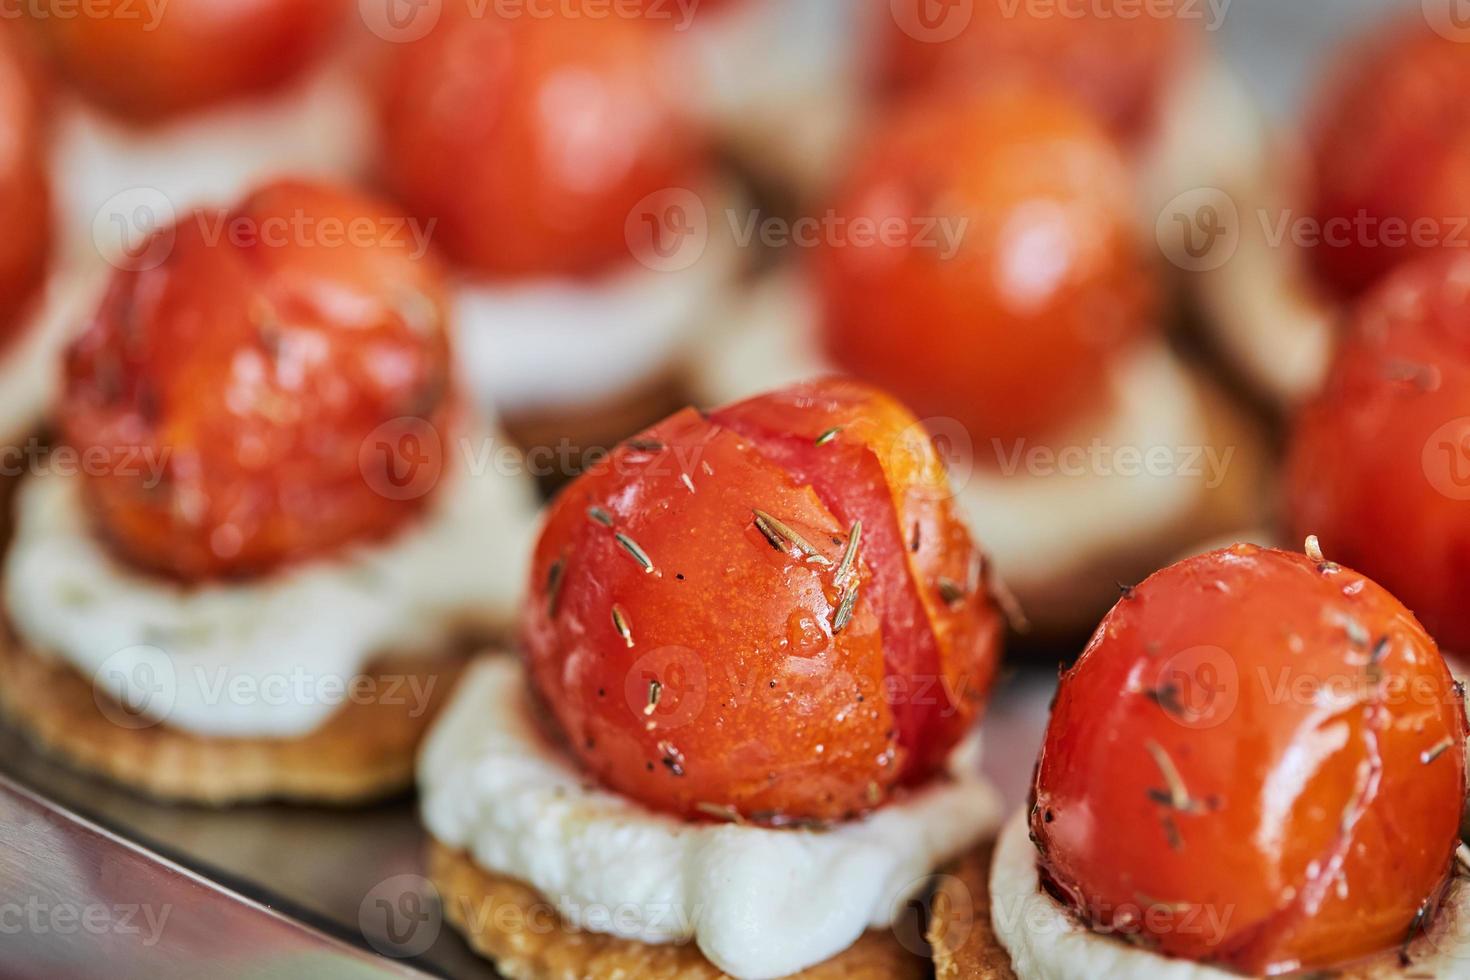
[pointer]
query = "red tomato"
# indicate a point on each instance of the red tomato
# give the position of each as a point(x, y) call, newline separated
point(681, 13)
point(1012, 333)
point(25, 200)
point(148, 61)
point(256, 361)
point(1117, 58)
point(687, 623)
point(1380, 461)
point(531, 140)
point(1390, 149)
point(1258, 762)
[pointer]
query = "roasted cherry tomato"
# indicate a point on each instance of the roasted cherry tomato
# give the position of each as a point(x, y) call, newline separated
point(1113, 55)
point(1390, 149)
point(769, 611)
point(1380, 461)
point(145, 63)
point(25, 208)
point(256, 361)
point(997, 276)
point(1257, 762)
point(531, 141)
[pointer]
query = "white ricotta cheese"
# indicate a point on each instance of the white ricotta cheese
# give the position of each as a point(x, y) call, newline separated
point(758, 902)
point(1046, 943)
point(275, 656)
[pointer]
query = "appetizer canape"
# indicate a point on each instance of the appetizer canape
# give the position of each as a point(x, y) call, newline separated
point(1204, 159)
point(1381, 184)
point(260, 579)
point(576, 201)
point(1256, 767)
point(170, 106)
point(982, 262)
point(756, 641)
point(1379, 466)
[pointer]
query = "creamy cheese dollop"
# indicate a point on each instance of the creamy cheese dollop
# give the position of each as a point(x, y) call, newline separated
point(1046, 943)
point(278, 655)
point(30, 363)
point(116, 182)
point(549, 343)
point(759, 903)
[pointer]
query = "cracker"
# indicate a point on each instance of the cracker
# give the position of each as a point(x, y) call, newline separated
point(365, 751)
point(510, 923)
point(964, 942)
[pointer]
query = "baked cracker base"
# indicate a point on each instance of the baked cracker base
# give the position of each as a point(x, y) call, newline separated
point(509, 923)
point(964, 942)
point(363, 752)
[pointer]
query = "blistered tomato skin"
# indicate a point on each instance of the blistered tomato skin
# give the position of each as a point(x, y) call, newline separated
point(25, 209)
point(687, 625)
point(1258, 762)
point(1116, 59)
point(146, 64)
point(1379, 466)
point(530, 141)
point(1390, 148)
point(1014, 280)
point(252, 365)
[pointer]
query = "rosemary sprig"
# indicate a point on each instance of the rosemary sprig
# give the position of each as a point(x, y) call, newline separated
point(600, 516)
point(843, 616)
point(620, 623)
point(829, 435)
point(1177, 794)
point(783, 538)
point(726, 813)
point(645, 445)
point(849, 555)
point(951, 591)
point(655, 692)
point(1435, 751)
point(554, 576)
point(631, 547)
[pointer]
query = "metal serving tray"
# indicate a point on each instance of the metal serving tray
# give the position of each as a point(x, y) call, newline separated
point(95, 881)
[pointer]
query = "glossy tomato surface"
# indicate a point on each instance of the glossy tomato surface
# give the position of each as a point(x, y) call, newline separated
point(1258, 762)
point(1000, 277)
point(687, 624)
point(1380, 461)
point(25, 202)
point(257, 360)
point(1390, 149)
point(1117, 56)
point(531, 141)
point(148, 61)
